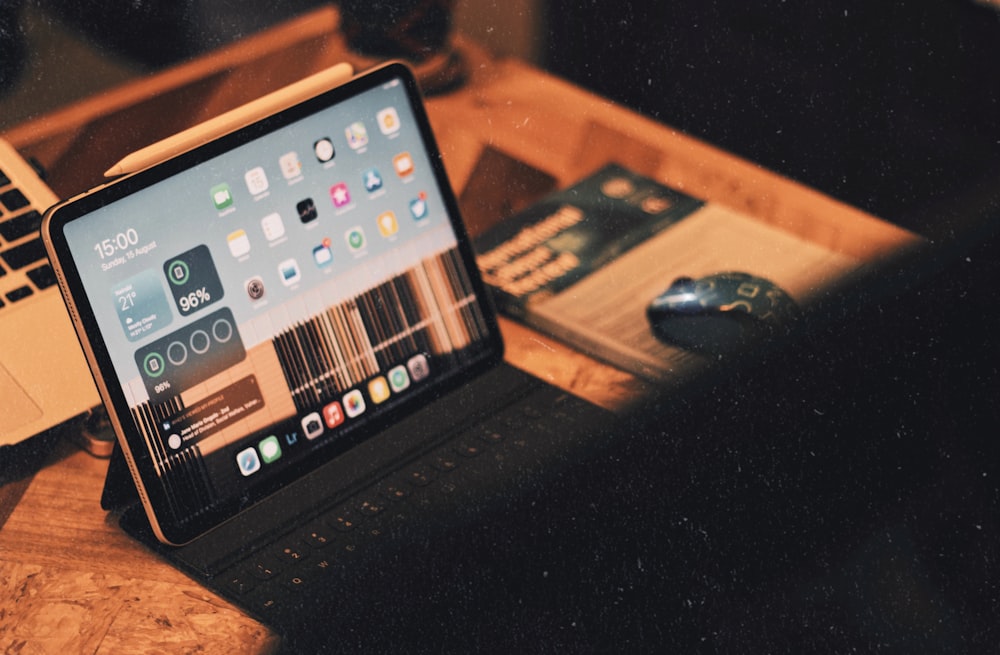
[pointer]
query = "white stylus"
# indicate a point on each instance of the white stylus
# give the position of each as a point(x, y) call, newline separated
point(233, 120)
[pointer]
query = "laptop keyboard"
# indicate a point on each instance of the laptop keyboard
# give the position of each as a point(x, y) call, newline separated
point(21, 249)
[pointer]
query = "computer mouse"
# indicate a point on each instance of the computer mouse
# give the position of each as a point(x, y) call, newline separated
point(719, 313)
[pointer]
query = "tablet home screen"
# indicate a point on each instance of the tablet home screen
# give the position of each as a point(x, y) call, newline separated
point(263, 305)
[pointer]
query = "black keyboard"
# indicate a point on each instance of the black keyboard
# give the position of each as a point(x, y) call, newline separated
point(337, 542)
point(21, 248)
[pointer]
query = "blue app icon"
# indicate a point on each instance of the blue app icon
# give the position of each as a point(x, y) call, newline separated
point(372, 180)
point(289, 272)
point(248, 461)
point(418, 207)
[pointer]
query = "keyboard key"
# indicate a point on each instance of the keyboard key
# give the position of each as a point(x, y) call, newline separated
point(43, 277)
point(21, 226)
point(343, 519)
point(444, 461)
point(294, 581)
point(264, 568)
point(317, 536)
point(421, 476)
point(4, 180)
point(291, 553)
point(265, 601)
point(370, 507)
point(306, 575)
point(13, 200)
point(467, 449)
point(492, 435)
point(241, 583)
point(24, 254)
point(19, 293)
point(393, 492)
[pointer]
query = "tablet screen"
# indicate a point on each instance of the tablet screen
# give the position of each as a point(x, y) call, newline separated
point(261, 304)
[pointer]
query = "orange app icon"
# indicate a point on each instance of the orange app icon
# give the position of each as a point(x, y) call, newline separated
point(403, 163)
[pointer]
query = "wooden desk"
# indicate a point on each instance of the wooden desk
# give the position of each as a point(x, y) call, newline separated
point(70, 580)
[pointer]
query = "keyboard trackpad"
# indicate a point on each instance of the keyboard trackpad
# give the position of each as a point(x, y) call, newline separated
point(18, 408)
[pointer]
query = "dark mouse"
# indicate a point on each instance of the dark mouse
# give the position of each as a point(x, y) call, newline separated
point(719, 313)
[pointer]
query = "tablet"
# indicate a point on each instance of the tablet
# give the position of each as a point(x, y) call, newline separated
point(263, 303)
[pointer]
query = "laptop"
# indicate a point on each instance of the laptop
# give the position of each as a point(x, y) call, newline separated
point(44, 379)
point(299, 358)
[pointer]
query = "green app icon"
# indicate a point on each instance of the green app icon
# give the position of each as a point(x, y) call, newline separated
point(355, 239)
point(270, 449)
point(222, 196)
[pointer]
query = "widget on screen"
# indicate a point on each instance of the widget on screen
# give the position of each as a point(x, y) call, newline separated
point(142, 306)
point(193, 279)
point(190, 354)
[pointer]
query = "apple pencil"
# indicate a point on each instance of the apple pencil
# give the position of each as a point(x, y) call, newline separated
point(233, 120)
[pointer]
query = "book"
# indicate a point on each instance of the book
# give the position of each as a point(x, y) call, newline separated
point(583, 263)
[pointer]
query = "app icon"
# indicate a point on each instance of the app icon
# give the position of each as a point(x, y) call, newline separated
point(333, 414)
point(378, 390)
point(398, 379)
point(307, 210)
point(291, 166)
point(354, 403)
point(403, 164)
point(418, 367)
point(270, 449)
point(324, 150)
point(255, 288)
point(357, 135)
point(418, 207)
point(340, 196)
point(387, 224)
point(323, 254)
point(372, 180)
point(239, 243)
point(312, 425)
point(248, 461)
point(222, 196)
point(289, 272)
point(256, 180)
point(355, 238)
point(273, 226)
point(388, 120)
